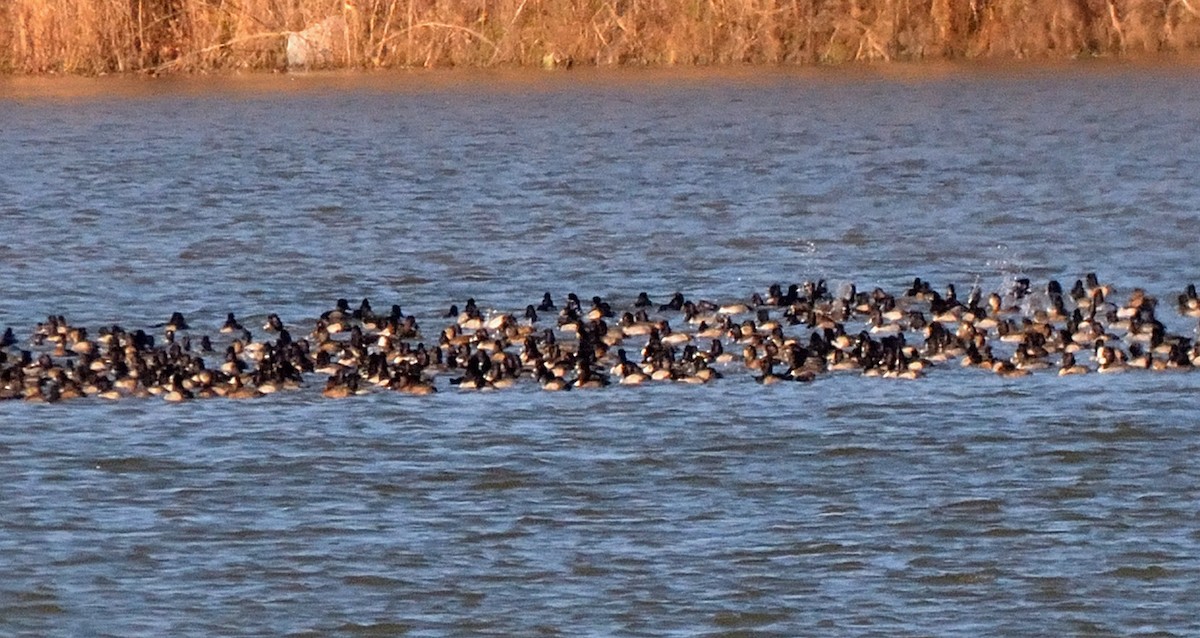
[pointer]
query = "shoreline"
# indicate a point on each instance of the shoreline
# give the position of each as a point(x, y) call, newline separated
point(505, 79)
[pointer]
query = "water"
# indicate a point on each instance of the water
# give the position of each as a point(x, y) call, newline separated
point(961, 504)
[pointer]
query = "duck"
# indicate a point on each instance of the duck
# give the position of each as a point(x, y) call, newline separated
point(174, 391)
point(341, 386)
point(1110, 359)
point(35, 393)
point(694, 315)
point(409, 383)
point(237, 389)
point(471, 318)
point(1008, 370)
point(273, 324)
point(363, 313)
point(588, 378)
point(339, 314)
point(881, 327)
point(1139, 358)
point(176, 322)
point(808, 336)
point(838, 360)
point(705, 331)
point(768, 376)
point(377, 322)
point(669, 338)
point(718, 354)
point(736, 308)
point(550, 381)
point(919, 290)
point(1139, 303)
point(600, 310)
point(675, 304)
point(1093, 286)
point(1023, 359)
point(1188, 303)
point(776, 296)
point(104, 390)
point(231, 324)
point(762, 321)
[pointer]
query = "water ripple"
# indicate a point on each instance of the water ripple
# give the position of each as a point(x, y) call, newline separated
point(966, 504)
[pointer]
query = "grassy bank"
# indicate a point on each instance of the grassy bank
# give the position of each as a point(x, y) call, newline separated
point(98, 36)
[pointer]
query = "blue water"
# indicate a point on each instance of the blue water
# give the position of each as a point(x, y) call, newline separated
point(962, 504)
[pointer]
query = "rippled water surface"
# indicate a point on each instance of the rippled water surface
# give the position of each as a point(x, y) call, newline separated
point(963, 504)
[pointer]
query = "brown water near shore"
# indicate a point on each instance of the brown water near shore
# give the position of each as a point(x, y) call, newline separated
point(235, 84)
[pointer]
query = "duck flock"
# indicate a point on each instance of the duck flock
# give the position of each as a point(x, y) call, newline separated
point(794, 333)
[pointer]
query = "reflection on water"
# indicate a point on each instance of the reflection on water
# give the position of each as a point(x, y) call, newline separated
point(962, 504)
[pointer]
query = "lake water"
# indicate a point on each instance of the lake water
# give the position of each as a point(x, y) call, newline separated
point(962, 504)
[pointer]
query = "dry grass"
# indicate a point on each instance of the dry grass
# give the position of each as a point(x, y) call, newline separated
point(99, 36)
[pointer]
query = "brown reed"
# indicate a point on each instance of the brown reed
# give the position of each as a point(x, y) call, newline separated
point(103, 36)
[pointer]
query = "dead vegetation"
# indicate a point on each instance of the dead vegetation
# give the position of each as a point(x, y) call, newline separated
point(102, 36)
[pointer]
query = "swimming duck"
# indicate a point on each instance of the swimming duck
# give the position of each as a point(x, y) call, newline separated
point(273, 324)
point(174, 390)
point(768, 376)
point(675, 304)
point(231, 324)
point(340, 312)
point(341, 386)
point(1109, 359)
point(1007, 369)
point(1093, 286)
point(410, 383)
point(549, 380)
point(176, 322)
point(364, 311)
point(1189, 302)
